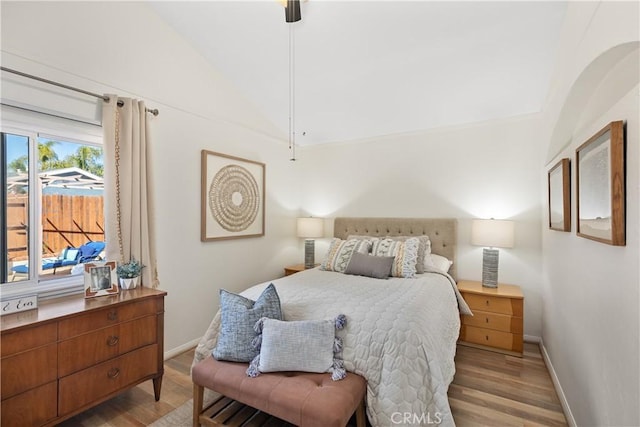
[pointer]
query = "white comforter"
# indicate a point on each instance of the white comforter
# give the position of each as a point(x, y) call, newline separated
point(400, 335)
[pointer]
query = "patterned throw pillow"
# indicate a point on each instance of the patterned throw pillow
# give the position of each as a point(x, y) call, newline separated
point(424, 250)
point(405, 253)
point(303, 346)
point(340, 251)
point(238, 316)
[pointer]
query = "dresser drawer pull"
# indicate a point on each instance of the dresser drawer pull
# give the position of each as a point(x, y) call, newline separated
point(487, 302)
point(113, 340)
point(112, 315)
point(486, 320)
point(113, 373)
point(486, 337)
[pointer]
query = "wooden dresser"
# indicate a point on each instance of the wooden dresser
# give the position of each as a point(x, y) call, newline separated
point(71, 354)
point(497, 323)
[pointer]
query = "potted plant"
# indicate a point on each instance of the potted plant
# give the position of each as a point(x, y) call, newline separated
point(128, 273)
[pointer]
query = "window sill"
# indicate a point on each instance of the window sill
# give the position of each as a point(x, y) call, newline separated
point(46, 289)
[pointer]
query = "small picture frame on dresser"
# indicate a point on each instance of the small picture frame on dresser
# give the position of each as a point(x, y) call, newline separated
point(100, 279)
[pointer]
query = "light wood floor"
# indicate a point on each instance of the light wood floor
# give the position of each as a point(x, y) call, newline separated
point(489, 389)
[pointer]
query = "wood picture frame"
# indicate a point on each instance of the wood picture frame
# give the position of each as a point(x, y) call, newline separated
point(559, 192)
point(232, 200)
point(100, 279)
point(600, 182)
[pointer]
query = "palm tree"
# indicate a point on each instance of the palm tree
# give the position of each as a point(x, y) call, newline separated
point(47, 155)
point(89, 158)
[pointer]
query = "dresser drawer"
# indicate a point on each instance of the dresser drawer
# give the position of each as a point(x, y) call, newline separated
point(89, 322)
point(494, 304)
point(26, 339)
point(28, 370)
point(86, 387)
point(491, 338)
point(32, 408)
point(495, 321)
point(95, 347)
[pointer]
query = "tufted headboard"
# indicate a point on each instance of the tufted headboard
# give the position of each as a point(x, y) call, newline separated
point(441, 231)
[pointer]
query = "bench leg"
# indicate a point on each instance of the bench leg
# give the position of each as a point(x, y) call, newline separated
point(198, 397)
point(361, 416)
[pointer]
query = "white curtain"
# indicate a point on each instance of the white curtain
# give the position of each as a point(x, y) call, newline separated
point(129, 226)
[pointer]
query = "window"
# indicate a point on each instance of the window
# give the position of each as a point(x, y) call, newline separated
point(52, 205)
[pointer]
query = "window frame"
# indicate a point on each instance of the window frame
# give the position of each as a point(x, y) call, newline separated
point(33, 126)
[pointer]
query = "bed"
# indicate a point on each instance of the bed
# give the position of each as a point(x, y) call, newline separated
point(401, 332)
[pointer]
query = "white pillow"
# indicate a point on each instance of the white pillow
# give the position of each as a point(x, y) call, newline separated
point(436, 263)
point(303, 345)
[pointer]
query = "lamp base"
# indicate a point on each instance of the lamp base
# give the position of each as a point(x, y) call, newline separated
point(490, 268)
point(309, 253)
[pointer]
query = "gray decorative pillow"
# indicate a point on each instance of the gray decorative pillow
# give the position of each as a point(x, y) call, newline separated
point(304, 346)
point(378, 267)
point(238, 316)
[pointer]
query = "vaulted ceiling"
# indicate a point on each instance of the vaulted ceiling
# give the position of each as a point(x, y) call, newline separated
point(372, 68)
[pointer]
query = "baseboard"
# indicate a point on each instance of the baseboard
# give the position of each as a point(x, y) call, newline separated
point(181, 349)
point(532, 338)
point(556, 384)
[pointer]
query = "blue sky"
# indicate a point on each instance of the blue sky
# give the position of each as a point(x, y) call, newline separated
point(17, 146)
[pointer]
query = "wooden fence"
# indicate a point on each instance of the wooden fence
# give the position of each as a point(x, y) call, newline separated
point(66, 221)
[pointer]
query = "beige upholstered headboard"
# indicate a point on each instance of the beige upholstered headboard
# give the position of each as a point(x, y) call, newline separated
point(441, 231)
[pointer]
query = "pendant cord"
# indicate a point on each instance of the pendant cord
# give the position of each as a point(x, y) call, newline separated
point(292, 94)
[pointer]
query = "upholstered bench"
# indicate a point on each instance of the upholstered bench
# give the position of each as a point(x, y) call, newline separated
point(302, 399)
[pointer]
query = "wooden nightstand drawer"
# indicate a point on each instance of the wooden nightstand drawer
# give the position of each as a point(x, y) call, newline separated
point(494, 304)
point(497, 323)
point(494, 321)
point(491, 338)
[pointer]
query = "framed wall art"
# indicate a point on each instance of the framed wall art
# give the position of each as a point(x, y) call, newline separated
point(559, 188)
point(232, 197)
point(100, 279)
point(600, 180)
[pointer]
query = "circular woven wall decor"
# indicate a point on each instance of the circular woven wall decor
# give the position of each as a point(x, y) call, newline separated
point(234, 198)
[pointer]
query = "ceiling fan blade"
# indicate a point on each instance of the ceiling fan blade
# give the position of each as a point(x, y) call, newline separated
point(292, 11)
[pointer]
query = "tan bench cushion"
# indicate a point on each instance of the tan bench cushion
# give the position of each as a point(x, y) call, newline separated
point(303, 399)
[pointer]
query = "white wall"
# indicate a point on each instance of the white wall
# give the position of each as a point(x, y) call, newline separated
point(591, 315)
point(477, 171)
point(124, 48)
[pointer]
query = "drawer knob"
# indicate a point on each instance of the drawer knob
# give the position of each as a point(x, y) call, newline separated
point(112, 315)
point(487, 302)
point(113, 340)
point(486, 320)
point(113, 373)
point(487, 337)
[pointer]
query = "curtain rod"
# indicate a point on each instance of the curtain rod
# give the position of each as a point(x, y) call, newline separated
point(105, 98)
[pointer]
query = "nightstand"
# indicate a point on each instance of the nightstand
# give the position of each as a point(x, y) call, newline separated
point(292, 269)
point(497, 323)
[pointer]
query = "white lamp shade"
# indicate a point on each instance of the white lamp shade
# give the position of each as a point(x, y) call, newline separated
point(310, 227)
point(492, 233)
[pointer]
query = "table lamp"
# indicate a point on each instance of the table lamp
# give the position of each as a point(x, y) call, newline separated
point(310, 228)
point(494, 234)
